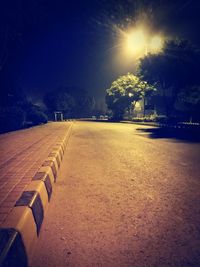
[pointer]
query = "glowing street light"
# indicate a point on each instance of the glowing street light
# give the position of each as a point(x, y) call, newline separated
point(136, 42)
point(156, 44)
point(139, 43)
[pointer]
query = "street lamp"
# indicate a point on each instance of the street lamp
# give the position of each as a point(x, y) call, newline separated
point(136, 42)
point(139, 43)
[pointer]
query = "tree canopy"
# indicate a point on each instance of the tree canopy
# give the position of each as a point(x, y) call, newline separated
point(173, 71)
point(74, 102)
point(16, 111)
point(125, 92)
point(188, 102)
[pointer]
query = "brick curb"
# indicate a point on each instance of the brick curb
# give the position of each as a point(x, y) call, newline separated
point(22, 226)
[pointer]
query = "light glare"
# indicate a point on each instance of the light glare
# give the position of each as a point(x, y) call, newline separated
point(136, 42)
point(156, 44)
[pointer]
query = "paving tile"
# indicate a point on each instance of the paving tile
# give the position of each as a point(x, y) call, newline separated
point(22, 154)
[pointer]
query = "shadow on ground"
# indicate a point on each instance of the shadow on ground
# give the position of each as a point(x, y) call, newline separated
point(187, 135)
point(191, 135)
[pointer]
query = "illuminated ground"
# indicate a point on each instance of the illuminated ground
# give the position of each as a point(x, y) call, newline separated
point(123, 199)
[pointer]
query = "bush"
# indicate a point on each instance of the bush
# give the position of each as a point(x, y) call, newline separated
point(36, 117)
point(11, 118)
point(144, 119)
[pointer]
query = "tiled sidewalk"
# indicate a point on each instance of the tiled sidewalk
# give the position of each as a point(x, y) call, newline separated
point(21, 155)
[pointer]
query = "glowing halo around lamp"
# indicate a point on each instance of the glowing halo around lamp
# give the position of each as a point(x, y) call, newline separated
point(156, 44)
point(136, 42)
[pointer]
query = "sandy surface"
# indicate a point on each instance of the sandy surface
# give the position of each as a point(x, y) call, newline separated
point(123, 199)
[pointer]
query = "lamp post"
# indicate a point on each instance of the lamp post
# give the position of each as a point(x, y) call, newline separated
point(139, 43)
point(130, 110)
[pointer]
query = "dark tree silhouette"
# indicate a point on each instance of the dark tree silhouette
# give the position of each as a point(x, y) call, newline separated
point(74, 102)
point(173, 70)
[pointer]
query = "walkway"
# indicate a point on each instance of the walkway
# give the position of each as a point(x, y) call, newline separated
point(22, 154)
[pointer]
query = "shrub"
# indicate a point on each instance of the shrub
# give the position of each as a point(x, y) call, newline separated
point(36, 117)
point(11, 118)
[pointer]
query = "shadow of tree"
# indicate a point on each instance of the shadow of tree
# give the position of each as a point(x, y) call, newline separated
point(187, 135)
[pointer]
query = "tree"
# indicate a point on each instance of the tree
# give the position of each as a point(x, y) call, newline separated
point(172, 70)
point(125, 92)
point(74, 102)
point(59, 101)
point(17, 112)
point(83, 102)
point(188, 102)
point(11, 118)
point(35, 114)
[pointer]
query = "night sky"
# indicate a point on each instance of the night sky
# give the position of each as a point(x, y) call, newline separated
point(54, 43)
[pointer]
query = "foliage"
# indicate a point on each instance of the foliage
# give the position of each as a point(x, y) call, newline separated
point(188, 102)
point(173, 70)
point(125, 92)
point(17, 112)
point(99, 108)
point(59, 101)
point(35, 115)
point(72, 101)
point(84, 104)
point(11, 118)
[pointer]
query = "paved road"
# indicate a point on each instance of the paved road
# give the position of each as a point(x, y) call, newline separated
point(123, 199)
